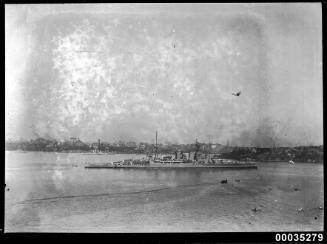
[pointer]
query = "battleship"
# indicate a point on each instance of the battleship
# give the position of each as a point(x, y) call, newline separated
point(179, 160)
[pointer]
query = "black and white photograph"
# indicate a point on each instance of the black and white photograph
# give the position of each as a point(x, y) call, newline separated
point(163, 118)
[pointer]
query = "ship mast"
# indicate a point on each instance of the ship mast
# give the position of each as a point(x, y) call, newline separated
point(155, 155)
point(196, 150)
point(209, 149)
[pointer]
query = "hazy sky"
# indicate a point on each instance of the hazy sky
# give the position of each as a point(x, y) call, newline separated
point(123, 71)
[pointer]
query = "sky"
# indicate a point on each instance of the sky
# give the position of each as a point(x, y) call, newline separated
point(120, 72)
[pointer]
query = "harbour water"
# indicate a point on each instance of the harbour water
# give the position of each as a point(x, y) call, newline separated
point(53, 192)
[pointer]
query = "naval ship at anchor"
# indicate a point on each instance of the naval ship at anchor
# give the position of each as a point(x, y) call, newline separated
point(179, 160)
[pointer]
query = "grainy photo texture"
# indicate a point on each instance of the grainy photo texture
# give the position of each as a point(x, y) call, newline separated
point(163, 117)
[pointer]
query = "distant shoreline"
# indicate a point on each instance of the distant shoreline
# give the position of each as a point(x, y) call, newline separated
point(138, 153)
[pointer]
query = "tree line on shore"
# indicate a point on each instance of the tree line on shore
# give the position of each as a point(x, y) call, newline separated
point(301, 154)
point(310, 154)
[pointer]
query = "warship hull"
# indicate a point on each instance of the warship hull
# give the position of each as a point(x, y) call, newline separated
point(174, 166)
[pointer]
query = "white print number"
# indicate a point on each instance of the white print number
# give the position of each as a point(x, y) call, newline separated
point(299, 237)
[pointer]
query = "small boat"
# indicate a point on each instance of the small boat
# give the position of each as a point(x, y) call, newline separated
point(223, 181)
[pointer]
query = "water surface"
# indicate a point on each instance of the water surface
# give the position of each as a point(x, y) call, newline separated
point(52, 192)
